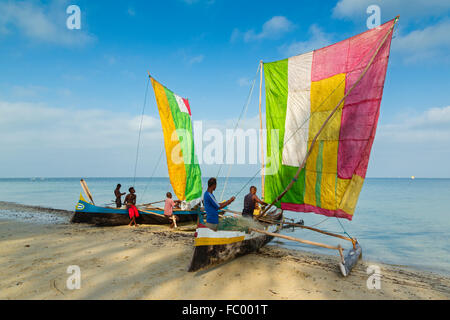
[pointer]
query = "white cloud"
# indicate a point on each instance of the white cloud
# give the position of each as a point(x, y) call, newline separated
point(244, 82)
point(415, 145)
point(432, 41)
point(34, 92)
point(40, 23)
point(48, 141)
point(191, 2)
point(131, 12)
point(271, 29)
point(111, 60)
point(21, 123)
point(188, 57)
point(318, 39)
point(197, 59)
point(412, 40)
point(356, 9)
point(28, 91)
point(235, 35)
point(433, 126)
point(38, 140)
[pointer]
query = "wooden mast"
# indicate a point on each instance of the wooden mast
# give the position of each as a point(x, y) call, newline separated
point(333, 112)
point(261, 128)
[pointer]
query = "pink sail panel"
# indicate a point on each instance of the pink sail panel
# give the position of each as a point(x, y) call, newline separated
point(361, 108)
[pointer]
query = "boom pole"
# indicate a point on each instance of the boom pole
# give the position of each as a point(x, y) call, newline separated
point(261, 128)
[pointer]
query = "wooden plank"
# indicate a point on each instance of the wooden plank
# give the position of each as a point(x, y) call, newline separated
point(261, 128)
point(296, 239)
point(317, 230)
point(86, 190)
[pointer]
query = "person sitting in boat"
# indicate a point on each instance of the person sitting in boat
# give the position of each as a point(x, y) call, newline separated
point(212, 206)
point(118, 195)
point(168, 209)
point(250, 202)
point(130, 202)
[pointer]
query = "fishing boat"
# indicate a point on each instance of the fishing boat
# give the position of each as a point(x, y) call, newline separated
point(322, 109)
point(215, 247)
point(87, 212)
point(184, 170)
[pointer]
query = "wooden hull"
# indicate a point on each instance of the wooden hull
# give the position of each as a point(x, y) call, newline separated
point(206, 255)
point(101, 216)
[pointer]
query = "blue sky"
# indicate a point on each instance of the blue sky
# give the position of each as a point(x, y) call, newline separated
point(70, 100)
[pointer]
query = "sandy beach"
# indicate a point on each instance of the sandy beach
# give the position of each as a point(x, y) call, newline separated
point(150, 262)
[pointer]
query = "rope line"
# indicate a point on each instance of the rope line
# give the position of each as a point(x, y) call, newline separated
point(344, 229)
point(242, 115)
point(154, 171)
point(315, 225)
point(140, 130)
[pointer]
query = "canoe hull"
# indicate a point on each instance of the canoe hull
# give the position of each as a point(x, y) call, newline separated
point(102, 216)
point(207, 255)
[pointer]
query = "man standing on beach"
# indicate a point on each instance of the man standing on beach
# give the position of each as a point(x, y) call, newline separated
point(118, 195)
point(212, 206)
point(250, 201)
point(130, 201)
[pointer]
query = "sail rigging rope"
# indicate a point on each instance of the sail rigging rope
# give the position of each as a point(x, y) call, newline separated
point(343, 229)
point(242, 115)
point(140, 130)
point(154, 171)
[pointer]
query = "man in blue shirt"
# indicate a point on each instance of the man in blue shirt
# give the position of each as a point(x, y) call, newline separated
point(212, 206)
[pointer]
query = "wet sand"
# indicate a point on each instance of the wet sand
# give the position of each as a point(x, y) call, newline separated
point(150, 262)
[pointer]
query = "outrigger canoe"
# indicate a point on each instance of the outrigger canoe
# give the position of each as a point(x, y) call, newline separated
point(86, 212)
point(215, 247)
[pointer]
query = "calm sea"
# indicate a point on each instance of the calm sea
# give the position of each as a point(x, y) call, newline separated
point(397, 221)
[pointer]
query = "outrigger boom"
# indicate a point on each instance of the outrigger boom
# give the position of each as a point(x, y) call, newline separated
point(346, 264)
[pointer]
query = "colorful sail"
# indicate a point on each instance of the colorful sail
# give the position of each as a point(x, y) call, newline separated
point(301, 92)
point(182, 163)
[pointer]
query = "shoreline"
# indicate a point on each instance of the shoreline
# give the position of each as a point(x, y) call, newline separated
point(150, 262)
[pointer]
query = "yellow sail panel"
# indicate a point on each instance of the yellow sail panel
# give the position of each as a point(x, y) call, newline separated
point(176, 168)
